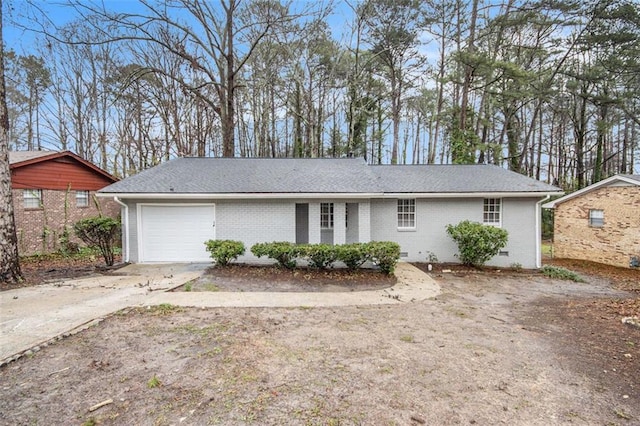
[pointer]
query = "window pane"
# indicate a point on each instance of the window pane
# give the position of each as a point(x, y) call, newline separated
point(491, 211)
point(326, 215)
point(406, 213)
point(32, 198)
point(596, 218)
point(82, 198)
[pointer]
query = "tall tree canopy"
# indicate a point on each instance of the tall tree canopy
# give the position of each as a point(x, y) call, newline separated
point(547, 89)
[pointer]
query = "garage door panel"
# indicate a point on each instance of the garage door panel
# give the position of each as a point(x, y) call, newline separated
point(176, 233)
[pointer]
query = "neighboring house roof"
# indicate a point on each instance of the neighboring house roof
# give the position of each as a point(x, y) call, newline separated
point(347, 176)
point(625, 179)
point(20, 156)
point(632, 177)
point(51, 170)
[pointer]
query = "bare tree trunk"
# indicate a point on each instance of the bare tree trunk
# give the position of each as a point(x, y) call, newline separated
point(228, 119)
point(9, 261)
point(464, 103)
point(625, 144)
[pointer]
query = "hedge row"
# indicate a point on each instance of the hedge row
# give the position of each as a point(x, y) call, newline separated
point(385, 254)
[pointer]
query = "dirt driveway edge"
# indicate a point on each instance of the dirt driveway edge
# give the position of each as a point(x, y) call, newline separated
point(32, 318)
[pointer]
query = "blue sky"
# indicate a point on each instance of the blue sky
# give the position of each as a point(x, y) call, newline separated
point(19, 16)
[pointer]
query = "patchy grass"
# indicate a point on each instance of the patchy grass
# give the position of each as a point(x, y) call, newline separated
point(154, 382)
point(407, 338)
point(560, 273)
point(627, 279)
point(164, 309)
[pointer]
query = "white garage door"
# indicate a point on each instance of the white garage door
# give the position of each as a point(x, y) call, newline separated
point(175, 233)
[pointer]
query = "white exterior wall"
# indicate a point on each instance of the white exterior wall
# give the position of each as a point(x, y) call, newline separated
point(259, 221)
point(255, 222)
point(364, 221)
point(430, 235)
point(339, 228)
point(133, 231)
point(519, 219)
point(315, 233)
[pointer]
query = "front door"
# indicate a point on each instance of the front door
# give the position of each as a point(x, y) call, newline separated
point(302, 223)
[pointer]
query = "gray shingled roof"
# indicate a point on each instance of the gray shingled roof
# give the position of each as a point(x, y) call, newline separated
point(286, 176)
point(634, 177)
point(250, 175)
point(455, 178)
point(20, 156)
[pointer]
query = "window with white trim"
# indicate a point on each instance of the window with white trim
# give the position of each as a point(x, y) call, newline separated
point(492, 211)
point(82, 198)
point(326, 215)
point(32, 198)
point(596, 218)
point(406, 213)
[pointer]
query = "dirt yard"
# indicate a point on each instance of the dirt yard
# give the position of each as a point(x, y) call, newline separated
point(54, 267)
point(493, 348)
point(260, 278)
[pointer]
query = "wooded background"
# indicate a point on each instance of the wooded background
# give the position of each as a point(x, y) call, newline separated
point(550, 89)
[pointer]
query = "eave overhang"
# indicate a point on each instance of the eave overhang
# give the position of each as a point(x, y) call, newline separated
point(321, 195)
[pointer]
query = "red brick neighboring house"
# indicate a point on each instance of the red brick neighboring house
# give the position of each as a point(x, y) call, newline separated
point(51, 191)
point(600, 223)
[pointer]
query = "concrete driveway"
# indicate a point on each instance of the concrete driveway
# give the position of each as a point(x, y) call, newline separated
point(32, 317)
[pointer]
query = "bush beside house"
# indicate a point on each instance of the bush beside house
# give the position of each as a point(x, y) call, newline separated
point(100, 232)
point(384, 254)
point(477, 243)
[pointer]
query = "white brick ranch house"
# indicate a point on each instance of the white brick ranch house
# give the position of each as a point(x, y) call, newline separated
point(169, 210)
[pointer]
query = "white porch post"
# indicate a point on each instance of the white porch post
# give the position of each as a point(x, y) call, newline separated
point(314, 223)
point(339, 225)
point(364, 221)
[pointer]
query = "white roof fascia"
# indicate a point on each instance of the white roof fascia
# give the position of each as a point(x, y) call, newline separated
point(605, 182)
point(238, 196)
point(289, 195)
point(470, 194)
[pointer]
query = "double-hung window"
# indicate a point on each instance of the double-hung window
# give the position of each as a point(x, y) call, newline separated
point(32, 198)
point(406, 214)
point(326, 215)
point(492, 212)
point(596, 218)
point(82, 198)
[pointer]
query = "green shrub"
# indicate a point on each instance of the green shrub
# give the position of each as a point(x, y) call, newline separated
point(561, 273)
point(67, 247)
point(385, 254)
point(320, 256)
point(101, 232)
point(477, 243)
point(285, 253)
point(353, 255)
point(224, 251)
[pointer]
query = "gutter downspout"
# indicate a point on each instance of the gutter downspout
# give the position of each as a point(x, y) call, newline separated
point(539, 231)
point(125, 220)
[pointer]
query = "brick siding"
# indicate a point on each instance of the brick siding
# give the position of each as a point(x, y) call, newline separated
point(39, 230)
point(615, 242)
